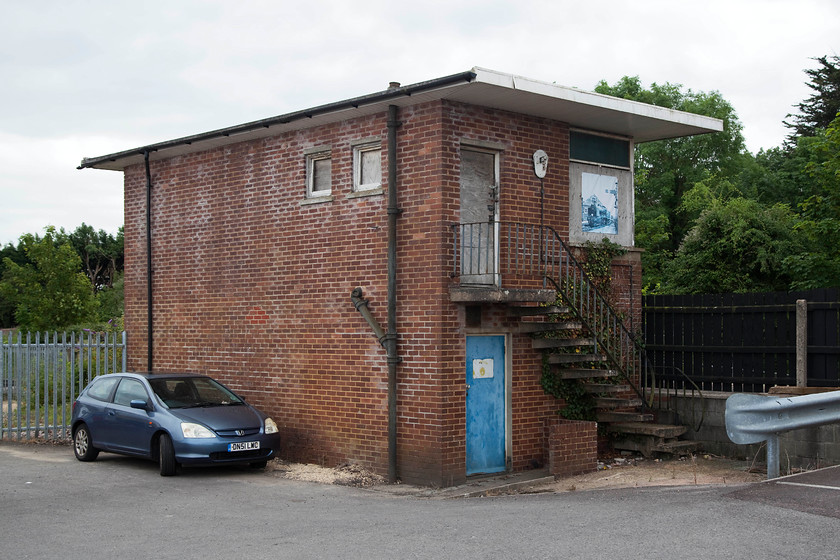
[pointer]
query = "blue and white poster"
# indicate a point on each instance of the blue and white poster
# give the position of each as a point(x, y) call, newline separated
point(599, 203)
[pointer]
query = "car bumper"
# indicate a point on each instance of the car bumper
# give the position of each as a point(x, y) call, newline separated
point(212, 451)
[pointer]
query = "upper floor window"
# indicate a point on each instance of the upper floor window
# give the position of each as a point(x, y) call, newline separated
point(604, 150)
point(367, 166)
point(319, 173)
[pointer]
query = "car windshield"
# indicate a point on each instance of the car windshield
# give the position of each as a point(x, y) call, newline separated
point(186, 392)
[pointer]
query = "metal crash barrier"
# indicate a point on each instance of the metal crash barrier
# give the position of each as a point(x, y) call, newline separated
point(756, 418)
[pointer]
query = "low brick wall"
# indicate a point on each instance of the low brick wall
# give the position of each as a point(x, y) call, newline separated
point(572, 446)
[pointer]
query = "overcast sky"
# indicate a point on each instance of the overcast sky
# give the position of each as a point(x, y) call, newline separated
point(92, 78)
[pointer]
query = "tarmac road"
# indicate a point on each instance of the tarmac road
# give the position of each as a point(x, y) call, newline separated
point(54, 507)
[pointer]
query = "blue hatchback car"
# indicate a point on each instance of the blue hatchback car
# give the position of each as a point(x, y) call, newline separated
point(174, 419)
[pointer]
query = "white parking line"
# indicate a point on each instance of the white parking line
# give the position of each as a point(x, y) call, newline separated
point(811, 485)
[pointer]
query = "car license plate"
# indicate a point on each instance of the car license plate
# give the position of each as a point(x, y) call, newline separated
point(243, 446)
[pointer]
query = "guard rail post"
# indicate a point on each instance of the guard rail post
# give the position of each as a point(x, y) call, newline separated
point(755, 418)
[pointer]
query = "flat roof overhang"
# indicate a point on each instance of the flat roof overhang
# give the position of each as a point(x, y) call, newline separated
point(486, 88)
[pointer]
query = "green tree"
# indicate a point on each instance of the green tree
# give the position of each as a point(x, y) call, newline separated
point(48, 292)
point(819, 110)
point(737, 246)
point(111, 300)
point(819, 265)
point(7, 307)
point(101, 254)
point(666, 170)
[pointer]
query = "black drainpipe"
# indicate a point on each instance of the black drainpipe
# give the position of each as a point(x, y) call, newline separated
point(388, 339)
point(149, 327)
point(394, 212)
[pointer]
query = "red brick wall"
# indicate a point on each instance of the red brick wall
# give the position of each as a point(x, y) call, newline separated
point(253, 287)
point(572, 446)
point(627, 288)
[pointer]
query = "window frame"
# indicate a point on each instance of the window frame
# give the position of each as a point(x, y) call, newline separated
point(312, 156)
point(359, 149)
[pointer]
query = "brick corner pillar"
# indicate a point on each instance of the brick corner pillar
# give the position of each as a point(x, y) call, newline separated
point(572, 446)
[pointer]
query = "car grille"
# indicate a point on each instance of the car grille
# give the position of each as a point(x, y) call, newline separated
point(236, 433)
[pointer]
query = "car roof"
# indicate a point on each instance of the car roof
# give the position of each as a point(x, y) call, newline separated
point(147, 375)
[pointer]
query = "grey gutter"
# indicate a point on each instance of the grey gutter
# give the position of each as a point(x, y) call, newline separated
point(354, 103)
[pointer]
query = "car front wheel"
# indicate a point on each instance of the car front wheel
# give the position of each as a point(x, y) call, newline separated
point(166, 456)
point(83, 444)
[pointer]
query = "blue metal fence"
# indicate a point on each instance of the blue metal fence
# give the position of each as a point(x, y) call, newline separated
point(42, 373)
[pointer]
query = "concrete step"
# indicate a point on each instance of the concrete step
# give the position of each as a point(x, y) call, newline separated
point(611, 403)
point(575, 358)
point(611, 417)
point(536, 311)
point(679, 447)
point(548, 326)
point(651, 445)
point(582, 373)
point(605, 388)
point(646, 428)
point(546, 343)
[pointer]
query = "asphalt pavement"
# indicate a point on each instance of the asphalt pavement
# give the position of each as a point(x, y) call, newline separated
point(816, 492)
point(54, 507)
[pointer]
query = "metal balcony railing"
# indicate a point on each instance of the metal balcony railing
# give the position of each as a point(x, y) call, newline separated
point(489, 253)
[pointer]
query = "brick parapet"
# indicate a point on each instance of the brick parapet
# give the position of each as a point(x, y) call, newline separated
point(572, 446)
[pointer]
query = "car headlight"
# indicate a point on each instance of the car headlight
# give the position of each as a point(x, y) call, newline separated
point(191, 430)
point(270, 426)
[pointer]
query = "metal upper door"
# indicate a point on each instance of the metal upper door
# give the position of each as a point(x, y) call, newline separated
point(479, 217)
point(485, 407)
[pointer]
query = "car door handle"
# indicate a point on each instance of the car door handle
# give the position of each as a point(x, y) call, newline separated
point(111, 413)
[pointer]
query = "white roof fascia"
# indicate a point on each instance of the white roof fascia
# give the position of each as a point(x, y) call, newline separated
point(478, 86)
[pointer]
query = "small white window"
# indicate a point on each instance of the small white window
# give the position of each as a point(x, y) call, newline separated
point(319, 174)
point(367, 166)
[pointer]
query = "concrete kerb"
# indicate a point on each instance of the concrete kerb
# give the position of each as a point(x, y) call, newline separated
point(491, 485)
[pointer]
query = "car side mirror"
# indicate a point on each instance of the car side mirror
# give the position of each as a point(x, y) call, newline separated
point(137, 403)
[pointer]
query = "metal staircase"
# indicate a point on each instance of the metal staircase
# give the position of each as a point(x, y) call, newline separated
point(581, 336)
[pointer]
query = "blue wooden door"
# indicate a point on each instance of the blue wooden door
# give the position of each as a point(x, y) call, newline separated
point(485, 404)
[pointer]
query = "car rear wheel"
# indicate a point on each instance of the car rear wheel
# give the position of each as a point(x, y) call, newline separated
point(166, 456)
point(83, 444)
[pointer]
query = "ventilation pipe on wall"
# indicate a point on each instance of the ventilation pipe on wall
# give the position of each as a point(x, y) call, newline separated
point(149, 324)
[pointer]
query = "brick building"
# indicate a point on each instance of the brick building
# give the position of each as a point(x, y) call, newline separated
point(351, 268)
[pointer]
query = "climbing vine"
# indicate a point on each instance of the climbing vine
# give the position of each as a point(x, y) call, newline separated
point(597, 262)
point(580, 405)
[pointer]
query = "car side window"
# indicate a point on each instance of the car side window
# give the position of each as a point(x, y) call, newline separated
point(129, 390)
point(102, 387)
